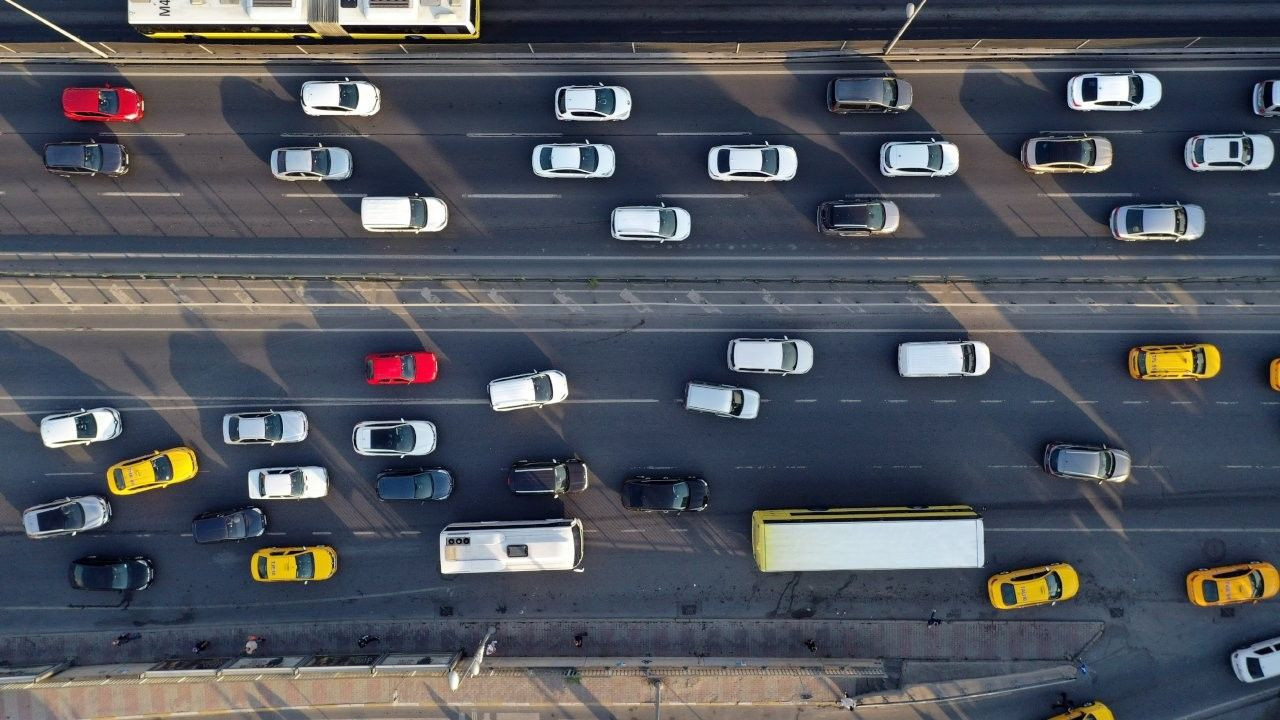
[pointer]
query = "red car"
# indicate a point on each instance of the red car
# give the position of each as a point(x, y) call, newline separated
point(400, 368)
point(104, 104)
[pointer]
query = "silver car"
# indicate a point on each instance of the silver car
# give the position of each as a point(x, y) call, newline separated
point(1066, 154)
point(1173, 222)
point(264, 428)
point(650, 223)
point(311, 163)
point(67, 516)
point(722, 400)
point(1086, 462)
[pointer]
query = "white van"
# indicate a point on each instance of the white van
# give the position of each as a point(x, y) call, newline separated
point(723, 400)
point(403, 214)
point(948, 358)
point(1259, 661)
point(511, 546)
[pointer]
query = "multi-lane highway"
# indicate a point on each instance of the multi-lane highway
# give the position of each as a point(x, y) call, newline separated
point(849, 432)
point(200, 197)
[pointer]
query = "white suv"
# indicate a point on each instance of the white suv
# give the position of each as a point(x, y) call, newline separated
point(530, 390)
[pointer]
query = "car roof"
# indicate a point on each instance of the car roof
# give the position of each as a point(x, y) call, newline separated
point(637, 220)
point(322, 93)
point(512, 390)
point(758, 353)
point(277, 483)
point(1113, 87)
point(577, 98)
point(1220, 148)
point(746, 159)
point(297, 159)
point(1159, 220)
point(909, 155)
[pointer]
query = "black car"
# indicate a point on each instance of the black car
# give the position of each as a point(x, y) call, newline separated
point(858, 219)
point(415, 484)
point(666, 494)
point(86, 158)
point(112, 573)
point(552, 477)
point(225, 525)
point(868, 95)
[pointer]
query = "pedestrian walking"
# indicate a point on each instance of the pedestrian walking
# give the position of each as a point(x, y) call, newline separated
point(368, 640)
point(577, 639)
point(848, 703)
point(813, 646)
point(934, 620)
point(124, 638)
point(250, 646)
point(200, 647)
point(491, 648)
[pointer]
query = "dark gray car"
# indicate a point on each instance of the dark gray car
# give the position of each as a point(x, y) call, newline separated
point(86, 158)
point(112, 573)
point(552, 477)
point(868, 95)
point(228, 525)
point(1086, 462)
point(415, 484)
point(665, 494)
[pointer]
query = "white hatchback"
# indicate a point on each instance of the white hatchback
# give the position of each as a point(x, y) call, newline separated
point(397, 438)
point(651, 223)
point(593, 102)
point(80, 428)
point(288, 483)
point(573, 160)
point(341, 97)
point(919, 158)
point(531, 390)
point(1113, 91)
point(752, 163)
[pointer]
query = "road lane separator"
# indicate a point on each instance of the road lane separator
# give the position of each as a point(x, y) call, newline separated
point(318, 196)
point(893, 195)
point(701, 196)
point(324, 135)
point(150, 134)
point(140, 194)
point(702, 134)
point(1085, 195)
point(512, 135)
point(511, 196)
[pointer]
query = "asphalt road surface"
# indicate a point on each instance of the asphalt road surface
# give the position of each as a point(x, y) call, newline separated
point(850, 432)
point(200, 197)
point(558, 21)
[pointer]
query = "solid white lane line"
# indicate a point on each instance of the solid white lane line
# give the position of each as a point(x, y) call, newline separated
point(893, 195)
point(1085, 195)
point(511, 196)
point(891, 132)
point(1126, 530)
point(319, 196)
point(323, 135)
point(512, 135)
point(68, 474)
point(700, 134)
point(701, 196)
point(1056, 258)
point(1100, 132)
point(140, 194)
point(149, 134)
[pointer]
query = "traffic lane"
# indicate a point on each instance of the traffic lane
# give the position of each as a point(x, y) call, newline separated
point(764, 99)
point(171, 193)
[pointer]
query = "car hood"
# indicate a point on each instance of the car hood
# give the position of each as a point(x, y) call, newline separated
point(1123, 463)
point(905, 95)
point(750, 404)
point(1195, 221)
point(114, 159)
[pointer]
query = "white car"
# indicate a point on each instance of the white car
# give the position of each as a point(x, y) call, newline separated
point(1113, 91)
point(573, 160)
point(652, 223)
point(722, 400)
point(340, 97)
point(919, 158)
point(311, 163)
point(288, 483)
point(531, 390)
point(80, 428)
point(67, 516)
point(1266, 98)
point(752, 163)
point(264, 428)
point(1239, 151)
point(1259, 661)
point(394, 437)
point(944, 358)
point(1168, 221)
point(782, 356)
point(593, 102)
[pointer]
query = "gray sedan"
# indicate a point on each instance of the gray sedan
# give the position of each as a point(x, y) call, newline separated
point(1086, 462)
point(1172, 222)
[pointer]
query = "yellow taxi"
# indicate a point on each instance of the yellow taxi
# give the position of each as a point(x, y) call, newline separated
point(1273, 374)
point(1089, 711)
point(1190, 361)
point(294, 564)
point(1233, 584)
point(153, 471)
point(1044, 585)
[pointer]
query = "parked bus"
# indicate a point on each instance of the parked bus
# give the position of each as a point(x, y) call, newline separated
point(300, 20)
point(511, 546)
point(870, 538)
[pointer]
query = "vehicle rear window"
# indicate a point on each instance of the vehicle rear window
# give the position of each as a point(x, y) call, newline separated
point(1089, 89)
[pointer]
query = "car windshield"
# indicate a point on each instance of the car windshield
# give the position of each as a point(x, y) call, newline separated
point(562, 478)
point(1179, 220)
point(890, 89)
point(722, 162)
point(969, 357)
point(108, 103)
point(66, 517)
point(273, 427)
point(1008, 594)
point(93, 157)
point(790, 356)
point(666, 222)
point(320, 161)
point(1089, 89)
point(163, 468)
point(306, 563)
point(1197, 360)
point(406, 365)
point(417, 212)
point(935, 157)
point(262, 566)
point(1210, 590)
point(1255, 581)
point(86, 426)
point(735, 402)
point(605, 101)
point(1245, 151)
point(1254, 666)
point(1106, 463)
point(398, 438)
point(297, 482)
point(541, 388)
point(348, 96)
point(588, 159)
point(1135, 89)
point(544, 158)
point(1054, 584)
point(233, 525)
point(769, 161)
